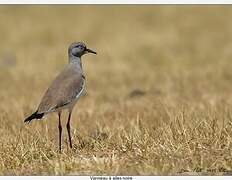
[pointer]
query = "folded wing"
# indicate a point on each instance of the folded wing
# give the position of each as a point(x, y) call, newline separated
point(63, 90)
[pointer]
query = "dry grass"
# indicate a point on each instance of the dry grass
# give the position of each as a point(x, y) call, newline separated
point(158, 96)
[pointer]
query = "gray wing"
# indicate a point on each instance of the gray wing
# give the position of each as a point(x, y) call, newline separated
point(67, 86)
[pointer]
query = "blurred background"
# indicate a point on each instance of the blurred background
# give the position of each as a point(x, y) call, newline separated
point(174, 49)
point(152, 62)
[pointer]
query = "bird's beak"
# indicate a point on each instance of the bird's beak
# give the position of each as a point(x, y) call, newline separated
point(90, 51)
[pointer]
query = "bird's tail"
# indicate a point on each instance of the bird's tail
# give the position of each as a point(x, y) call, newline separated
point(35, 115)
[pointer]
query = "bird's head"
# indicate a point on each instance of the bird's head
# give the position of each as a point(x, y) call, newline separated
point(78, 49)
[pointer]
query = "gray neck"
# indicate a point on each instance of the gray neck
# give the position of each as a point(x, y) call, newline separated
point(75, 60)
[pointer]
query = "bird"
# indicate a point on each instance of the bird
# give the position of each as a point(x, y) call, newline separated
point(65, 90)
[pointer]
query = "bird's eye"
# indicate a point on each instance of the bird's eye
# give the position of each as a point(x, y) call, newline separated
point(80, 47)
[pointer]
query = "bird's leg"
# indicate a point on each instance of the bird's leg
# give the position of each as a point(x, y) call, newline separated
point(68, 129)
point(60, 131)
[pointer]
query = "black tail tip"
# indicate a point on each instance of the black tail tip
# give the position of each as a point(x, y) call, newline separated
point(35, 115)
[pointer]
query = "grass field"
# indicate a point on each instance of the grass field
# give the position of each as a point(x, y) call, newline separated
point(158, 95)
